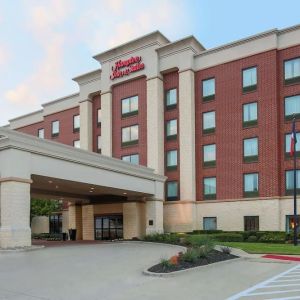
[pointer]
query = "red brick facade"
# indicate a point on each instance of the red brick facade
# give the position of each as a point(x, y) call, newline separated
point(119, 92)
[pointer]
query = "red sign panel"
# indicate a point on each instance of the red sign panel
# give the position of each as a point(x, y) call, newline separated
point(126, 67)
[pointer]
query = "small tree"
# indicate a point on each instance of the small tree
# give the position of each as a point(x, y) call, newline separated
point(41, 207)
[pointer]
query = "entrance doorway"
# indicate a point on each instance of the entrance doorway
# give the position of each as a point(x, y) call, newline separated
point(109, 227)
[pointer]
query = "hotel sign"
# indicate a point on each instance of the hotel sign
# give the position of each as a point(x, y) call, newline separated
point(125, 67)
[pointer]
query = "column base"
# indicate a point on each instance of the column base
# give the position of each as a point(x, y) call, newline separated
point(15, 237)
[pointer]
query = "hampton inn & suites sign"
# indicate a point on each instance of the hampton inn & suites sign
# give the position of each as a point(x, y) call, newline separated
point(125, 67)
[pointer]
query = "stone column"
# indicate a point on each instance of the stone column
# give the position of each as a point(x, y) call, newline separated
point(155, 125)
point(88, 231)
point(187, 135)
point(86, 125)
point(106, 123)
point(133, 220)
point(15, 212)
point(75, 219)
point(154, 216)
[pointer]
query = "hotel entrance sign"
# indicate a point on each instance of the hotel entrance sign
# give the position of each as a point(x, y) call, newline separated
point(125, 67)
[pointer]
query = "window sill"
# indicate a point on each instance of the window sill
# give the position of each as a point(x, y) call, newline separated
point(291, 117)
point(172, 198)
point(249, 89)
point(209, 131)
point(292, 81)
point(171, 107)
point(209, 164)
point(251, 194)
point(251, 159)
point(250, 124)
point(130, 143)
point(55, 135)
point(171, 168)
point(210, 197)
point(208, 98)
point(76, 130)
point(130, 114)
point(291, 192)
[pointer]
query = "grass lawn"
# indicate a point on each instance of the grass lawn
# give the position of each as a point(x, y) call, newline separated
point(264, 247)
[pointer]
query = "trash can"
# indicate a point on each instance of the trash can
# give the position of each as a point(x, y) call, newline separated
point(72, 234)
point(64, 236)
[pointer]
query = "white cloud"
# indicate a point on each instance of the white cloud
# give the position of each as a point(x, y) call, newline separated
point(4, 55)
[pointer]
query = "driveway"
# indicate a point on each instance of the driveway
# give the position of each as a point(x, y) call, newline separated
point(113, 271)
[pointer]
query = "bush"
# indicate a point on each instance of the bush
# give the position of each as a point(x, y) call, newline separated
point(226, 249)
point(228, 237)
point(191, 255)
point(165, 263)
point(277, 238)
point(252, 238)
point(169, 238)
point(201, 240)
point(206, 231)
point(48, 236)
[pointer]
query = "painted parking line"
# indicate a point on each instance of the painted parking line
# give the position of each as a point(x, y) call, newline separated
point(279, 287)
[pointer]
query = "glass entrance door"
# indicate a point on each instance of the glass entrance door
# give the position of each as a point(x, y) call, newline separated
point(109, 227)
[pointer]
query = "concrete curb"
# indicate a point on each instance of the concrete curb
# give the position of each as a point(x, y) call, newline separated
point(25, 249)
point(195, 269)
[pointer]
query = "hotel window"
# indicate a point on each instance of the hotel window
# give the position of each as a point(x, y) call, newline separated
point(76, 123)
point(288, 144)
point(99, 117)
point(250, 114)
point(251, 185)
point(130, 106)
point(251, 223)
point(132, 158)
point(41, 133)
point(292, 71)
point(55, 128)
point(171, 160)
point(208, 89)
point(292, 107)
point(289, 182)
point(290, 224)
point(251, 150)
point(171, 99)
point(76, 144)
point(209, 155)
point(172, 190)
point(171, 132)
point(210, 188)
point(249, 79)
point(209, 122)
point(130, 135)
point(209, 223)
point(99, 143)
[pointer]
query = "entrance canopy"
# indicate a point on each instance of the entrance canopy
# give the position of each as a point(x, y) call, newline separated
point(30, 166)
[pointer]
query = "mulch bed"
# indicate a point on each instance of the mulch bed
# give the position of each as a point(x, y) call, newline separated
point(213, 256)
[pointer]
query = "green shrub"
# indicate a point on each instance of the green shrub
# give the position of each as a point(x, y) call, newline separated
point(165, 263)
point(228, 237)
point(206, 231)
point(191, 255)
point(201, 240)
point(274, 237)
point(226, 249)
point(48, 236)
point(170, 238)
point(252, 238)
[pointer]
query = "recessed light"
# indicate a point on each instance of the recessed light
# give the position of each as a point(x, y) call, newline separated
point(124, 193)
point(92, 188)
point(50, 181)
point(56, 186)
point(91, 191)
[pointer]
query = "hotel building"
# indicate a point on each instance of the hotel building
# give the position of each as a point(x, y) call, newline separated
point(212, 124)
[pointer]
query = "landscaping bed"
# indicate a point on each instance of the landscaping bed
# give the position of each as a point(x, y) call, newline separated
point(212, 257)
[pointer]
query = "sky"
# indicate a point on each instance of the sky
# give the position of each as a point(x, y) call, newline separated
point(46, 43)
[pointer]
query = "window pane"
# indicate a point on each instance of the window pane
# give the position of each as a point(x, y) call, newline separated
point(172, 188)
point(292, 68)
point(208, 87)
point(288, 142)
point(209, 152)
point(134, 132)
point(292, 105)
point(251, 223)
point(210, 223)
point(134, 159)
point(171, 97)
point(55, 127)
point(126, 158)
point(209, 120)
point(251, 182)
point(76, 121)
point(249, 77)
point(125, 134)
point(99, 116)
point(171, 127)
point(289, 179)
point(99, 144)
point(210, 186)
point(77, 144)
point(251, 147)
point(172, 158)
point(250, 112)
point(134, 103)
point(125, 106)
point(41, 133)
